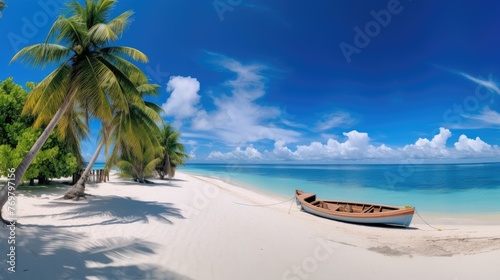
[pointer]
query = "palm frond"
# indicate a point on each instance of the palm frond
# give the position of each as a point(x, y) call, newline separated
point(155, 107)
point(100, 34)
point(102, 9)
point(46, 98)
point(134, 74)
point(149, 89)
point(71, 30)
point(120, 23)
point(130, 52)
point(40, 55)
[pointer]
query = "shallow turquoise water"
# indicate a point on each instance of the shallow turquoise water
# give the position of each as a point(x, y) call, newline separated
point(458, 189)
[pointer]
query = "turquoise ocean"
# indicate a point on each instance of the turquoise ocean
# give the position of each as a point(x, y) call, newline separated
point(456, 190)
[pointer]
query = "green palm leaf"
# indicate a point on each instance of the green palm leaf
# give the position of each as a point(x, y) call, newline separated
point(101, 33)
point(40, 55)
point(119, 23)
point(72, 31)
point(130, 52)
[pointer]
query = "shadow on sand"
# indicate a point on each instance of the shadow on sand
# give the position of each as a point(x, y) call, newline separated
point(66, 252)
point(154, 183)
point(118, 210)
point(50, 252)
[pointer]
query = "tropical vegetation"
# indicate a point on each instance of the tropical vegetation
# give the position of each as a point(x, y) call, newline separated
point(56, 158)
point(90, 73)
point(92, 80)
point(173, 154)
point(127, 133)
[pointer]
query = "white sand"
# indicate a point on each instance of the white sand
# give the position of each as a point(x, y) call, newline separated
point(203, 228)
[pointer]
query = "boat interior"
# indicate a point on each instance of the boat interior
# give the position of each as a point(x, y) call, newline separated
point(339, 206)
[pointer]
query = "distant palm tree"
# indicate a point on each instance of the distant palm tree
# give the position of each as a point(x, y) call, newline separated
point(174, 154)
point(2, 6)
point(136, 149)
point(90, 71)
point(142, 165)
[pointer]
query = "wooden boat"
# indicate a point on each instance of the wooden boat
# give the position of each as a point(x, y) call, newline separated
point(355, 212)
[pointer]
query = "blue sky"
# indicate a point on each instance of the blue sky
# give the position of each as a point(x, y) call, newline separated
point(320, 81)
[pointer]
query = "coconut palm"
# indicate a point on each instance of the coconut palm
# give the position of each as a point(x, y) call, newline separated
point(173, 155)
point(72, 128)
point(2, 6)
point(135, 141)
point(142, 165)
point(90, 71)
point(131, 128)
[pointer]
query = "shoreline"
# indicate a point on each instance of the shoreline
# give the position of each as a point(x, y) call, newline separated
point(196, 227)
point(445, 218)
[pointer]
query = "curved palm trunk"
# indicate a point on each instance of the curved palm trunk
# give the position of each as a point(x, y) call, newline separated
point(78, 190)
point(23, 166)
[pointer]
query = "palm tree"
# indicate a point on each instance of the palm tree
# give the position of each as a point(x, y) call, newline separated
point(174, 154)
point(129, 128)
point(90, 71)
point(140, 166)
point(135, 142)
point(2, 6)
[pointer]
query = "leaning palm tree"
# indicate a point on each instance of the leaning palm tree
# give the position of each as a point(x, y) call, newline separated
point(90, 71)
point(72, 128)
point(174, 154)
point(135, 140)
point(129, 128)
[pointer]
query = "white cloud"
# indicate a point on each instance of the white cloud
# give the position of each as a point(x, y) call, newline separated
point(489, 84)
point(357, 146)
point(472, 146)
point(487, 116)
point(337, 119)
point(184, 97)
point(425, 148)
point(238, 118)
point(248, 154)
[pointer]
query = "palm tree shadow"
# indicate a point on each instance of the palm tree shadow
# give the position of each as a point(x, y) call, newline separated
point(117, 210)
point(49, 252)
point(39, 191)
point(153, 184)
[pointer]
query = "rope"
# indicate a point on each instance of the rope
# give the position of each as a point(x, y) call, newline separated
point(264, 205)
point(439, 229)
point(289, 209)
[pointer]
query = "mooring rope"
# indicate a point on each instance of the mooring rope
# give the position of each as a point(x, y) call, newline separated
point(438, 229)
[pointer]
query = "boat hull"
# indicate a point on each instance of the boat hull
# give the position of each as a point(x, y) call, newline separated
point(400, 220)
point(355, 212)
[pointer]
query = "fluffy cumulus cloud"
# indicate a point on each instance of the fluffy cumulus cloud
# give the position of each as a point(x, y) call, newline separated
point(472, 146)
point(183, 98)
point(425, 148)
point(357, 146)
point(237, 118)
point(247, 154)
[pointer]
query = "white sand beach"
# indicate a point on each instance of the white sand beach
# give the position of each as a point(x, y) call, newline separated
point(196, 227)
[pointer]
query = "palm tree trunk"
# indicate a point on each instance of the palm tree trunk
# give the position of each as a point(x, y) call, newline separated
point(168, 166)
point(78, 190)
point(28, 159)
